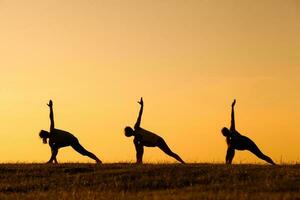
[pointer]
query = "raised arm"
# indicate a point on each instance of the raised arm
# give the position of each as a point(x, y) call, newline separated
point(138, 121)
point(232, 127)
point(50, 104)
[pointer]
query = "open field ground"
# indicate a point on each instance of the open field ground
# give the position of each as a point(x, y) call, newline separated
point(149, 181)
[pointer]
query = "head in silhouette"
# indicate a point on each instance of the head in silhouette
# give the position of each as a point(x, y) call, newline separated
point(129, 131)
point(44, 135)
point(226, 132)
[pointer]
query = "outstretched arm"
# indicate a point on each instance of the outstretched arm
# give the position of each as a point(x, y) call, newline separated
point(138, 121)
point(232, 127)
point(53, 156)
point(50, 104)
point(139, 152)
point(229, 155)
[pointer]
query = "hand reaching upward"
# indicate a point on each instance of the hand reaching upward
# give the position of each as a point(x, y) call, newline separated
point(233, 103)
point(50, 104)
point(141, 102)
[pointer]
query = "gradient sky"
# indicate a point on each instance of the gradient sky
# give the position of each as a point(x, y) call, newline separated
point(187, 58)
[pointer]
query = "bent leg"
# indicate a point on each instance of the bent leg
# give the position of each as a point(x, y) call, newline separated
point(229, 155)
point(164, 147)
point(256, 151)
point(80, 149)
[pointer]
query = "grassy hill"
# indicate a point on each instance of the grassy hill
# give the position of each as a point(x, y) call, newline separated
point(149, 181)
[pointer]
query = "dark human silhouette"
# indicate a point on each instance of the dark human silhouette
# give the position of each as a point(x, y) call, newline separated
point(146, 138)
point(236, 141)
point(59, 138)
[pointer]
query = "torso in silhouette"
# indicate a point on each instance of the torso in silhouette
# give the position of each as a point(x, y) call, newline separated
point(238, 141)
point(59, 138)
point(146, 138)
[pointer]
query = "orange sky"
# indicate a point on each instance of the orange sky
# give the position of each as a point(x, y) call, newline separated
point(188, 59)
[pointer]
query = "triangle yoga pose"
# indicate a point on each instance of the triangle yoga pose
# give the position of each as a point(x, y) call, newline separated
point(236, 141)
point(144, 138)
point(59, 138)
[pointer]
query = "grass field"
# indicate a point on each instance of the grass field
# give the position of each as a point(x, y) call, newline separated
point(149, 181)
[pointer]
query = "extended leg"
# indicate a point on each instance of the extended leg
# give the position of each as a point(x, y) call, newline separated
point(164, 147)
point(53, 156)
point(255, 150)
point(80, 149)
point(229, 155)
point(139, 153)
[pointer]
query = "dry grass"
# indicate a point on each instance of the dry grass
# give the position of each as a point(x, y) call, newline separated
point(160, 181)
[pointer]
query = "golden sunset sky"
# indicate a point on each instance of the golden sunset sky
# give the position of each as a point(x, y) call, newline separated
point(188, 58)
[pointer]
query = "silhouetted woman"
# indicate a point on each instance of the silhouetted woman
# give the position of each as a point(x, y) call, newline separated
point(59, 138)
point(236, 141)
point(146, 138)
